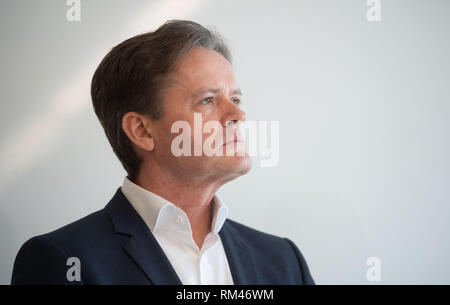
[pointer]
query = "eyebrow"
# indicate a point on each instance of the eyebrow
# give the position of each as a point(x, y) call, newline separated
point(214, 90)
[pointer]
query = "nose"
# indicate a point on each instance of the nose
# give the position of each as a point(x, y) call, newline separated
point(233, 115)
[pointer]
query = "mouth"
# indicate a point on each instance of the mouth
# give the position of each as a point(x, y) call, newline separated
point(233, 141)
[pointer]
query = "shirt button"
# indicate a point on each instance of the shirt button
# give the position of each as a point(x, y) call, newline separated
point(179, 219)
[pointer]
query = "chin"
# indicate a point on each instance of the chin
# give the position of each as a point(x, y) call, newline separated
point(237, 164)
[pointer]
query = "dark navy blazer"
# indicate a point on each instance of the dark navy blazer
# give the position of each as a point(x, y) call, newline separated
point(115, 246)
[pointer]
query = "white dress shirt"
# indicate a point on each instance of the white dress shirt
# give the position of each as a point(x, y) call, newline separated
point(171, 228)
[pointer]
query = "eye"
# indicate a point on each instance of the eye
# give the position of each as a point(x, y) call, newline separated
point(236, 101)
point(206, 101)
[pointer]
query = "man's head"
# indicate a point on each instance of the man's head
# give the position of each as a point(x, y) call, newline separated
point(149, 82)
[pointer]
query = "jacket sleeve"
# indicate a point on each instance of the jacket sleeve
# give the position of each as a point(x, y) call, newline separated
point(40, 261)
point(306, 275)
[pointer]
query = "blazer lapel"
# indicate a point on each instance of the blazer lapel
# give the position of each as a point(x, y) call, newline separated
point(142, 246)
point(241, 263)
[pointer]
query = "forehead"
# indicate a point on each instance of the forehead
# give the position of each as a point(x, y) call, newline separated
point(203, 67)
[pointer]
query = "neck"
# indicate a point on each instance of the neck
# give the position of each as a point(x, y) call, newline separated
point(193, 197)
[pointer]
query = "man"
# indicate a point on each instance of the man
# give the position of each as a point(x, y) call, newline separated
point(165, 225)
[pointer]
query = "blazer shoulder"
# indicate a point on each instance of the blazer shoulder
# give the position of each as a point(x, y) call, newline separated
point(249, 233)
point(40, 261)
point(278, 253)
point(261, 242)
point(73, 237)
point(42, 258)
point(91, 226)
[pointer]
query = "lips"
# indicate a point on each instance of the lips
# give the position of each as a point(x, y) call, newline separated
point(235, 140)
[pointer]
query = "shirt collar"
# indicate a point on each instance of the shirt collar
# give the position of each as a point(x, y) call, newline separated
point(159, 213)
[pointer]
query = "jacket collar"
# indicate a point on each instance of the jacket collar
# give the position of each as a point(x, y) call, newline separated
point(145, 250)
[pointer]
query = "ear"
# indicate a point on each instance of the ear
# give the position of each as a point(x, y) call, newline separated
point(138, 129)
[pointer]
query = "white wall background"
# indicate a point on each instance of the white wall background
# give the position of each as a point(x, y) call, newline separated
point(363, 110)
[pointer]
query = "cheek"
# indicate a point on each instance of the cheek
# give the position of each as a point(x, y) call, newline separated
point(163, 135)
point(186, 122)
point(175, 128)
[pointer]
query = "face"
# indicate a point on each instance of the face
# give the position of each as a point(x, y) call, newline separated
point(203, 83)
